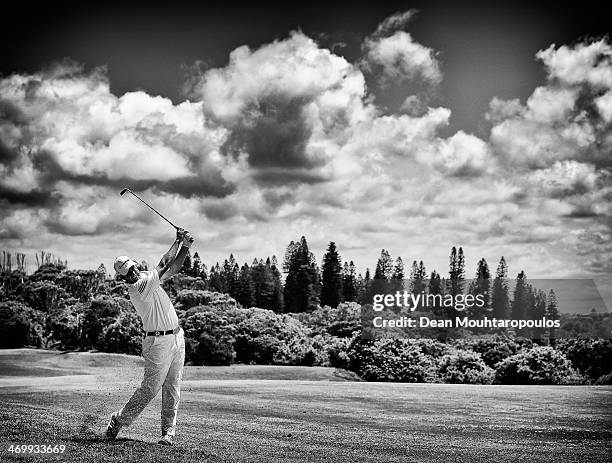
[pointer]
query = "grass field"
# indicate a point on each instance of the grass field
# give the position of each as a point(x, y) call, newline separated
point(268, 414)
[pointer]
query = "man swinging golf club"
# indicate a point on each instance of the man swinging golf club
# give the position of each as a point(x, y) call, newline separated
point(163, 346)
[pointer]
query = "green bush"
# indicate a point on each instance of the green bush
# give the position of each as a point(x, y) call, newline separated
point(604, 380)
point(213, 351)
point(492, 350)
point(260, 350)
point(592, 357)
point(182, 282)
point(20, 325)
point(464, 367)
point(124, 335)
point(395, 360)
point(81, 284)
point(64, 325)
point(43, 296)
point(538, 365)
point(337, 352)
point(263, 336)
point(47, 272)
point(187, 299)
point(11, 283)
point(339, 321)
point(101, 313)
point(209, 337)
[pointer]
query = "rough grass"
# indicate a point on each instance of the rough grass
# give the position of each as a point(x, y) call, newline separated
point(270, 420)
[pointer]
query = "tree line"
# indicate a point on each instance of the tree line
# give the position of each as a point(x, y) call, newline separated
point(308, 286)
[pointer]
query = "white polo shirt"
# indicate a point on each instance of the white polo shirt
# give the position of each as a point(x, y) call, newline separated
point(152, 303)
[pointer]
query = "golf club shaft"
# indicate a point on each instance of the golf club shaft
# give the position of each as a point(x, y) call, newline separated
point(150, 207)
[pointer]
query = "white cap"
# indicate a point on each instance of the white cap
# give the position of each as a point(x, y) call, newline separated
point(123, 264)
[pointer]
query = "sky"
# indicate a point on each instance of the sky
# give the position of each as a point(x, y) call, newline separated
point(408, 126)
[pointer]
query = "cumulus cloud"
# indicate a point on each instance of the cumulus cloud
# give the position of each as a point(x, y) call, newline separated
point(278, 101)
point(394, 56)
point(399, 58)
point(64, 124)
point(394, 22)
point(584, 63)
point(565, 119)
point(558, 143)
point(287, 140)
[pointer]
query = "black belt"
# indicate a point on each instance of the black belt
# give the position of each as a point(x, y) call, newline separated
point(163, 333)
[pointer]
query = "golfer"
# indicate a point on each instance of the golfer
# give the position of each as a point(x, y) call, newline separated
point(163, 346)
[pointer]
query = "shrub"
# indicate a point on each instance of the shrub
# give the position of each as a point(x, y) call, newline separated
point(337, 352)
point(398, 360)
point(338, 321)
point(539, 365)
point(263, 336)
point(213, 351)
point(604, 380)
point(10, 284)
point(81, 284)
point(181, 282)
point(101, 312)
point(464, 367)
point(124, 335)
point(64, 325)
point(344, 328)
point(47, 272)
point(492, 350)
point(260, 349)
point(20, 325)
point(209, 337)
point(43, 295)
point(187, 299)
point(592, 357)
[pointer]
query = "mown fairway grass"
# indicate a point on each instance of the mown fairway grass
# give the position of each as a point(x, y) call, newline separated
point(309, 415)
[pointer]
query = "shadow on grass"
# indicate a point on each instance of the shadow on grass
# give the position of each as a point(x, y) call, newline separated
point(102, 439)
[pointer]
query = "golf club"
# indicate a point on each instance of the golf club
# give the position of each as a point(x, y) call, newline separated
point(143, 201)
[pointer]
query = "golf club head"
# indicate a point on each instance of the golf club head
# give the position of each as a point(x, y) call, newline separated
point(123, 191)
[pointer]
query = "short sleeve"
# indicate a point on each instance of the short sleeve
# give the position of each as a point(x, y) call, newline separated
point(148, 284)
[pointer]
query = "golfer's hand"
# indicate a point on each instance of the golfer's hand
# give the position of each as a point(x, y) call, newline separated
point(180, 232)
point(187, 239)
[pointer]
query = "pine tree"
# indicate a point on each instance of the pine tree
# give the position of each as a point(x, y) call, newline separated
point(418, 276)
point(539, 312)
point(186, 268)
point(397, 277)
point(456, 271)
point(230, 273)
point(552, 313)
point(331, 277)
point(499, 296)
point(263, 281)
point(435, 288)
point(101, 270)
point(289, 252)
point(278, 302)
point(481, 286)
point(349, 283)
point(365, 284)
point(384, 266)
point(204, 274)
point(196, 266)
point(519, 302)
point(302, 286)
point(245, 287)
point(216, 280)
point(381, 283)
point(456, 276)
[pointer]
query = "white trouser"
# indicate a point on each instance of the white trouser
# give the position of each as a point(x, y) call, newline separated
point(164, 358)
